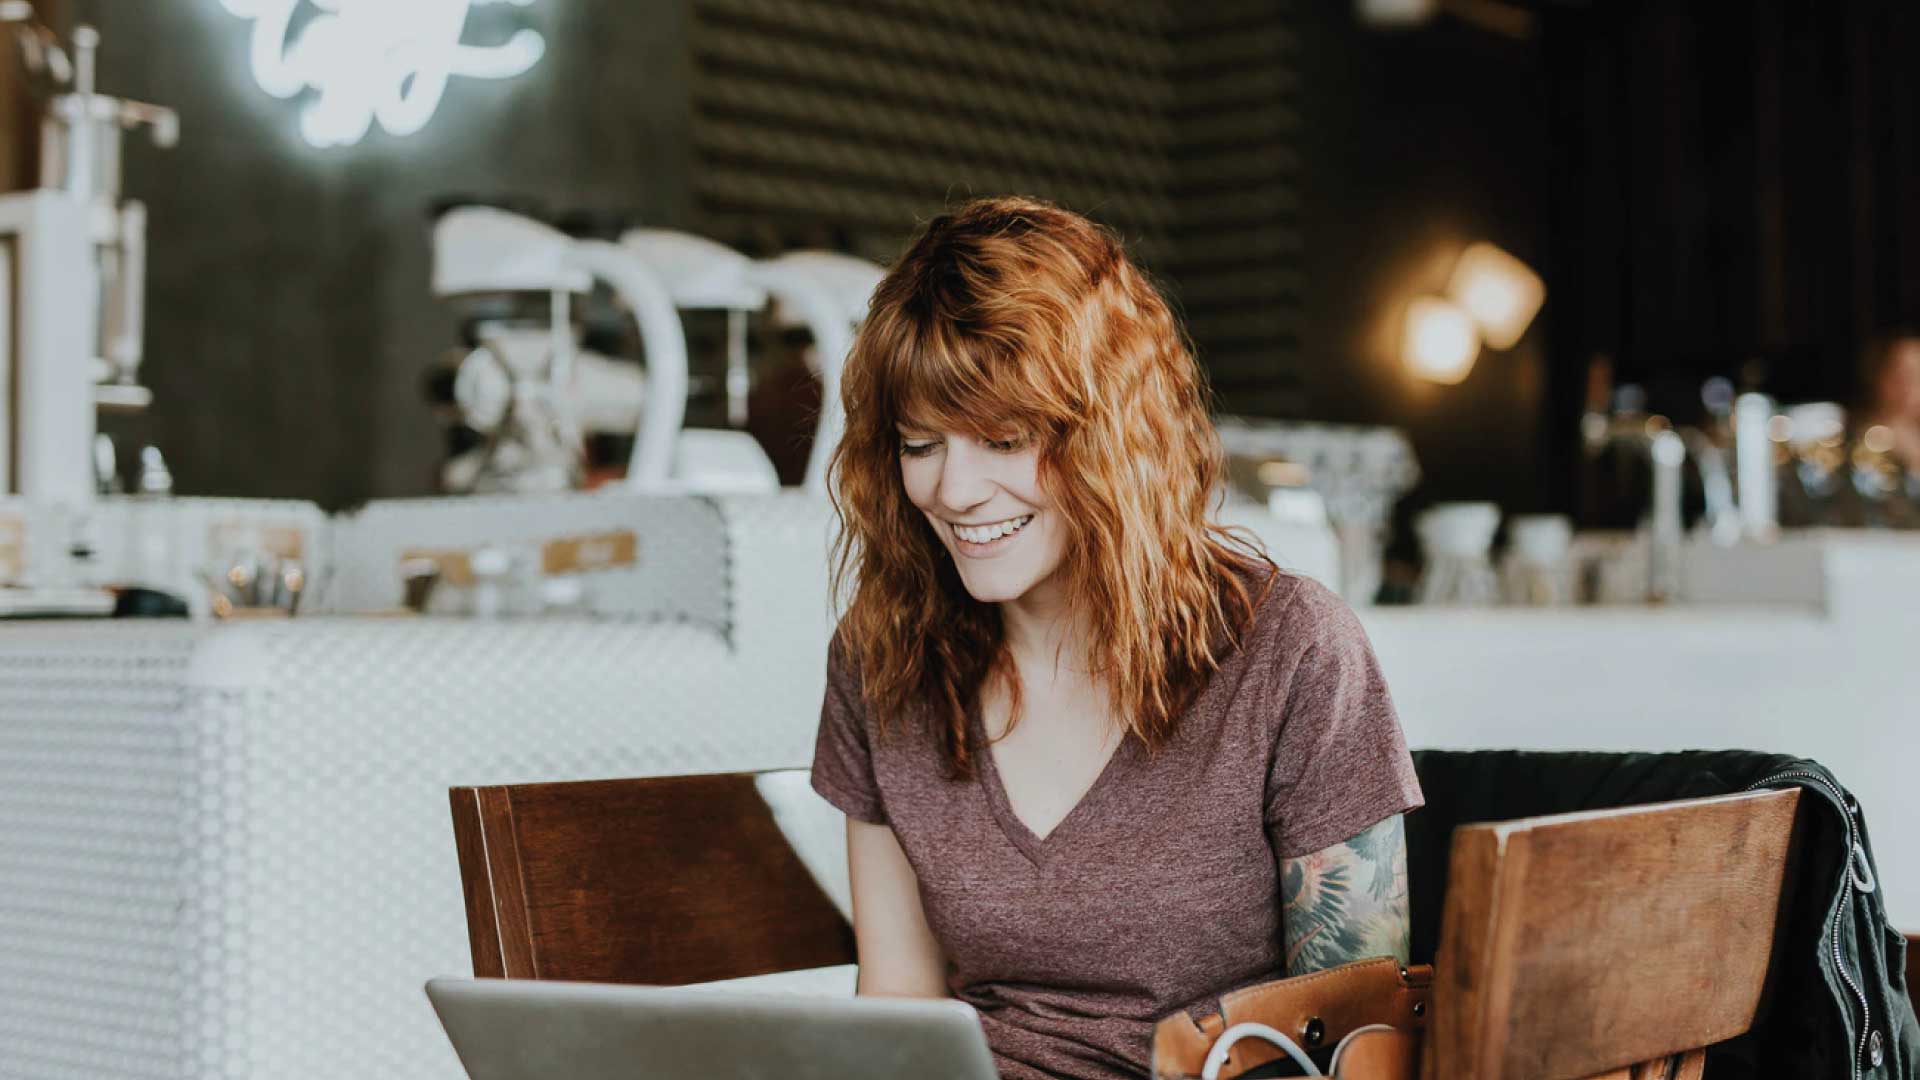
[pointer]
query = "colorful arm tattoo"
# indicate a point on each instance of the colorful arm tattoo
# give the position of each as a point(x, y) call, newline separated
point(1348, 902)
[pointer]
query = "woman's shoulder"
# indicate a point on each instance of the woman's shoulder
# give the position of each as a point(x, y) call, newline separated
point(846, 675)
point(843, 653)
point(1293, 611)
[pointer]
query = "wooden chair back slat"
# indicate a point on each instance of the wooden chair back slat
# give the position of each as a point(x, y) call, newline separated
point(1691, 1065)
point(665, 881)
point(1579, 944)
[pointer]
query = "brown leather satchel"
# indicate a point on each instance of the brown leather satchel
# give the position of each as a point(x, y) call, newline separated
point(1316, 1011)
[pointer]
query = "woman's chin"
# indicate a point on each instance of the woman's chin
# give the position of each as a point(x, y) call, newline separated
point(997, 587)
point(994, 592)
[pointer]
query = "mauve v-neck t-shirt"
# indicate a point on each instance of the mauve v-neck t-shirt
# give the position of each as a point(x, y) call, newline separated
point(1159, 890)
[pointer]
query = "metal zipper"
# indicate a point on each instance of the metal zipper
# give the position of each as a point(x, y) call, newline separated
point(1846, 878)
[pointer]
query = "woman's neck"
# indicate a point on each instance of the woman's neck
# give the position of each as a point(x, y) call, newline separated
point(1041, 633)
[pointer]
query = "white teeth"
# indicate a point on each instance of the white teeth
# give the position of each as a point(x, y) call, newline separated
point(987, 534)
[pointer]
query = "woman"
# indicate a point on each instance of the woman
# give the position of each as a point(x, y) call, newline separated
point(1891, 373)
point(1100, 760)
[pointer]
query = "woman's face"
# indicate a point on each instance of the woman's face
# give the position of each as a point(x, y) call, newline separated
point(984, 501)
point(1899, 389)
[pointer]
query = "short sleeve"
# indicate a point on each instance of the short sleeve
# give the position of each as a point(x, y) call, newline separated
point(842, 759)
point(1340, 761)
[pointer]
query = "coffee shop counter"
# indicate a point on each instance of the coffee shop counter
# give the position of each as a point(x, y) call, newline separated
point(227, 848)
point(1828, 667)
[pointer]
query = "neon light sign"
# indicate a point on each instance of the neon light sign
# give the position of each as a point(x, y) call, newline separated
point(367, 60)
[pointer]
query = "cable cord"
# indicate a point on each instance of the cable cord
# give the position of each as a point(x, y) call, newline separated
point(1217, 1057)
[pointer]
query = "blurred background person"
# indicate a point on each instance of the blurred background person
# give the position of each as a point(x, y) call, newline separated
point(1891, 414)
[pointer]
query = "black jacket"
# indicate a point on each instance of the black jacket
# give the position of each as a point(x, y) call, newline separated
point(1837, 1004)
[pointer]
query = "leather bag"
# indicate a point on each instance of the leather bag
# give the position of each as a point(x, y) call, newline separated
point(1317, 1011)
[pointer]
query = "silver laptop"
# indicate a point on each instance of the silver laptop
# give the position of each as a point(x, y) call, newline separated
point(517, 1029)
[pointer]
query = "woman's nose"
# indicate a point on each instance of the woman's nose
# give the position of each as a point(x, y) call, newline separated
point(965, 478)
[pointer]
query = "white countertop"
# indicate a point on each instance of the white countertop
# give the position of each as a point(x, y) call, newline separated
point(1838, 682)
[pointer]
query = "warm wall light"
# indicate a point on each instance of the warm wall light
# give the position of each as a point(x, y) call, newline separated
point(1502, 293)
point(1441, 340)
point(1396, 13)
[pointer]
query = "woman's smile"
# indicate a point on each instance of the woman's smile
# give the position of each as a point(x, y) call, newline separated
point(987, 540)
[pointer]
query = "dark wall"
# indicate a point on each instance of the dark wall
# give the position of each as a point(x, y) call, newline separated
point(1416, 144)
point(1737, 189)
point(1236, 184)
point(1708, 190)
point(1735, 192)
point(289, 318)
point(1689, 188)
point(1177, 125)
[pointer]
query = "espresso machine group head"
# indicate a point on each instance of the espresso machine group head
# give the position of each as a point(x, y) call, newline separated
point(530, 391)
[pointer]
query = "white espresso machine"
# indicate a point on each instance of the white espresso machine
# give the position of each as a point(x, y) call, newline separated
point(72, 327)
point(530, 390)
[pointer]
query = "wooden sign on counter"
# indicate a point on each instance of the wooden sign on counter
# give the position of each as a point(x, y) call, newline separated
point(562, 555)
point(279, 541)
point(13, 549)
point(595, 551)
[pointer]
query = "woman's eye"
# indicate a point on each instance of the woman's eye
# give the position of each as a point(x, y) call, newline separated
point(912, 449)
point(1007, 446)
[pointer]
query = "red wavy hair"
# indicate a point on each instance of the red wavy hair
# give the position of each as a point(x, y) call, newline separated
point(1012, 316)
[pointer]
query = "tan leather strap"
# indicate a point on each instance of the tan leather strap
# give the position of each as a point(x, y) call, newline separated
point(1317, 1010)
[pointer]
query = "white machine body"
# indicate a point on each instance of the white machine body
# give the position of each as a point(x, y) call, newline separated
point(76, 315)
point(46, 328)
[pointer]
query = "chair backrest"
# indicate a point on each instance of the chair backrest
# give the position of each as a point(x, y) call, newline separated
point(666, 880)
point(1578, 944)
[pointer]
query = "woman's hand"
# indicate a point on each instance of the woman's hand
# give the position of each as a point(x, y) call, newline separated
point(1348, 902)
point(898, 954)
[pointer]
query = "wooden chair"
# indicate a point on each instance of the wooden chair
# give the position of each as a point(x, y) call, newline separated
point(1614, 943)
point(666, 881)
point(1611, 944)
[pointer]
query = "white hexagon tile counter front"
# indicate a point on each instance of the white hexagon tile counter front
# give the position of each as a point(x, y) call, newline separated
point(227, 846)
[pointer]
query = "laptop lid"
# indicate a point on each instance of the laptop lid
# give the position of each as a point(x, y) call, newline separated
point(517, 1029)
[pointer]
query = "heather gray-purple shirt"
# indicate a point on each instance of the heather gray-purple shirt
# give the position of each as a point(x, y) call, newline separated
point(1159, 890)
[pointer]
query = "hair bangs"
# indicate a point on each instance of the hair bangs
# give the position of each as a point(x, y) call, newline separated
point(944, 379)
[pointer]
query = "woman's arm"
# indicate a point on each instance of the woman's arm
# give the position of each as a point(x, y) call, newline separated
point(1348, 902)
point(898, 954)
